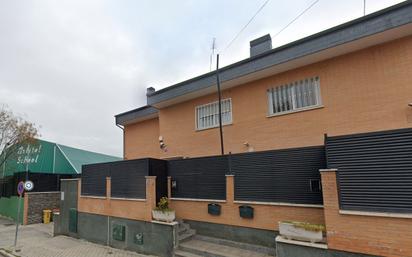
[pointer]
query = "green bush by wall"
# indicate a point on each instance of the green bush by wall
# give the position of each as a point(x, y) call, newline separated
point(8, 207)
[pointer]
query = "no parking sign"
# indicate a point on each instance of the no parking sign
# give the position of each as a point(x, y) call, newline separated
point(20, 188)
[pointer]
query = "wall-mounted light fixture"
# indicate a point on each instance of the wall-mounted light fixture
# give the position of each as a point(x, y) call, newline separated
point(249, 147)
point(162, 144)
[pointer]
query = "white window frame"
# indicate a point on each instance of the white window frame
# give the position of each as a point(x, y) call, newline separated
point(215, 125)
point(294, 109)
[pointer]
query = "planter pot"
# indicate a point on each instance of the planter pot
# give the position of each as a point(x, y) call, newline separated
point(291, 231)
point(166, 216)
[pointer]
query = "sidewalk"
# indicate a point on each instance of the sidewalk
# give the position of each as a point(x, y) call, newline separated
point(37, 241)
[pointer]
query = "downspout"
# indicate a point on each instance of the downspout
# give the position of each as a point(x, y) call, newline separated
point(122, 128)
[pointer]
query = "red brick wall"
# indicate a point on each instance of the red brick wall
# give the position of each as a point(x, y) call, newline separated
point(142, 139)
point(367, 90)
point(266, 216)
point(382, 236)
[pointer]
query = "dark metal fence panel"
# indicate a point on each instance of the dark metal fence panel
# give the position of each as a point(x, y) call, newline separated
point(374, 170)
point(158, 168)
point(6, 186)
point(199, 178)
point(287, 175)
point(43, 182)
point(94, 179)
point(128, 178)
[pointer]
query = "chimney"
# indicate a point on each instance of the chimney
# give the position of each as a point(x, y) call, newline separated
point(260, 45)
point(150, 91)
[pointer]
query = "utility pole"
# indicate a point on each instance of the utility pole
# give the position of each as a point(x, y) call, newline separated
point(220, 105)
point(20, 189)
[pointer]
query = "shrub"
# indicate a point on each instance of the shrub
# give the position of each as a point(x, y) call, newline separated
point(163, 205)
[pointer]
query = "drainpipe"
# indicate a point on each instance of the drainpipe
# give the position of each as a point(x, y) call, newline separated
point(122, 128)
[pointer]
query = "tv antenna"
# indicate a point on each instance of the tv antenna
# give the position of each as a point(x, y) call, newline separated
point(213, 47)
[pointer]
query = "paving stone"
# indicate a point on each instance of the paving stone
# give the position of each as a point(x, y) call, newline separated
point(37, 241)
point(204, 248)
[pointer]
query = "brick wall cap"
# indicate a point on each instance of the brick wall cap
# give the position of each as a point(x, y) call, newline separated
point(150, 177)
point(328, 170)
point(38, 193)
point(230, 175)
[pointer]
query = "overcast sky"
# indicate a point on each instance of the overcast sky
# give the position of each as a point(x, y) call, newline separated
point(69, 66)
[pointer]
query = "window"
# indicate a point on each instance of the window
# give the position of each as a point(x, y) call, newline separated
point(299, 95)
point(207, 116)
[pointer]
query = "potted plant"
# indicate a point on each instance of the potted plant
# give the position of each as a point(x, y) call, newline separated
point(162, 211)
point(302, 231)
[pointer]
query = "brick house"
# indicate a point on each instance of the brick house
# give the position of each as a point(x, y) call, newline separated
point(352, 78)
point(319, 131)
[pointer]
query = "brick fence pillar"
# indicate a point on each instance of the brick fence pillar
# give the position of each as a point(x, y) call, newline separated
point(150, 196)
point(26, 210)
point(230, 189)
point(108, 188)
point(330, 199)
point(169, 187)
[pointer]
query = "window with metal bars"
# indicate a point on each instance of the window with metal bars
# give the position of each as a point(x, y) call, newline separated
point(207, 116)
point(295, 96)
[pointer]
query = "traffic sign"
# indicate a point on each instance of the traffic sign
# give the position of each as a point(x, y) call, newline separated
point(20, 188)
point(28, 185)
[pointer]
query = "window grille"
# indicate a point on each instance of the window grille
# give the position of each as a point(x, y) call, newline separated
point(299, 95)
point(207, 116)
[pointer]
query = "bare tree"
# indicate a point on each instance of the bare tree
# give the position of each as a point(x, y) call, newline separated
point(14, 131)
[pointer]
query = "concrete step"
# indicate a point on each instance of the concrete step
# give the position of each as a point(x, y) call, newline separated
point(209, 249)
point(188, 234)
point(180, 253)
point(183, 226)
point(251, 247)
point(183, 229)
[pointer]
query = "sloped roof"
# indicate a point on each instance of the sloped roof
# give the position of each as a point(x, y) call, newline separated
point(372, 29)
point(78, 157)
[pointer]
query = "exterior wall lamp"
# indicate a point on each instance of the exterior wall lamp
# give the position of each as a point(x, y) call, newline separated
point(249, 147)
point(163, 146)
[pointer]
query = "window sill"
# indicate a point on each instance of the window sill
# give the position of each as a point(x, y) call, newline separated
point(280, 204)
point(224, 125)
point(197, 200)
point(377, 214)
point(93, 197)
point(295, 111)
point(128, 199)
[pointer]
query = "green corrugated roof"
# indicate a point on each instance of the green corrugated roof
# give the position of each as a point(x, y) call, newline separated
point(48, 157)
point(78, 157)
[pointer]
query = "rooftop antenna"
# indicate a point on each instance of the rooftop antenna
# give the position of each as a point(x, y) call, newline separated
point(364, 7)
point(212, 53)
